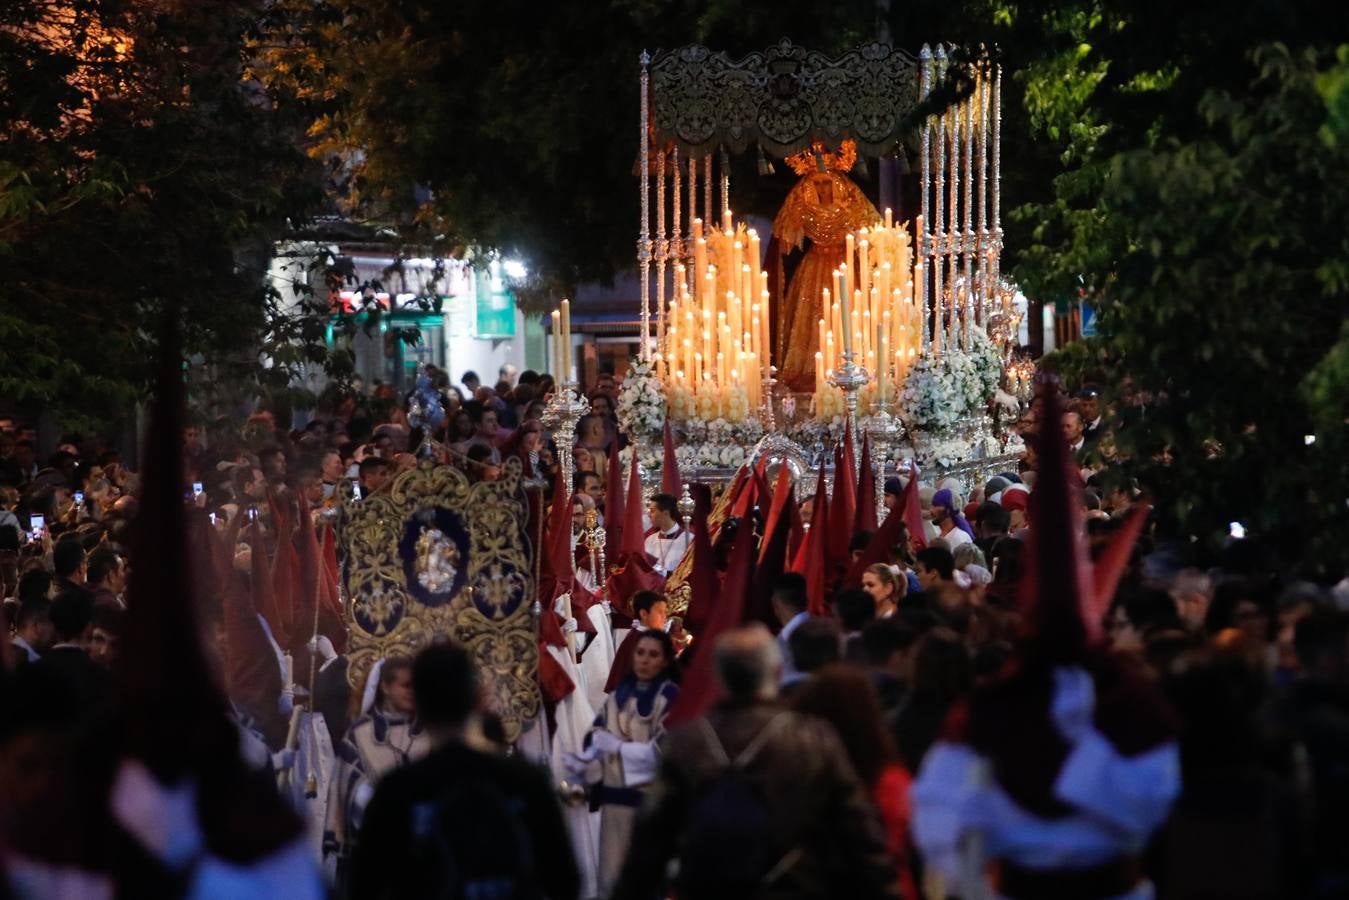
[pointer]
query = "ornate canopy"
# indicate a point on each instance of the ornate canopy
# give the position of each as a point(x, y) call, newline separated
point(783, 98)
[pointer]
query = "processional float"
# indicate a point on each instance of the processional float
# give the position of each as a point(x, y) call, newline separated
point(899, 329)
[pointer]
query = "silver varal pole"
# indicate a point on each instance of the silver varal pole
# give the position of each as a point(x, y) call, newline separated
point(967, 247)
point(922, 238)
point(997, 173)
point(985, 285)
point(953, 234)
point(662, 247)
point(939, 202)
point(644, 234)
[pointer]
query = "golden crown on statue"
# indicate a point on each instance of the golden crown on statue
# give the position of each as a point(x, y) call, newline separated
point(818, 156)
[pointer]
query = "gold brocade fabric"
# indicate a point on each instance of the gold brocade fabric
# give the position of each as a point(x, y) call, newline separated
point(678, 591)
point(823, 207)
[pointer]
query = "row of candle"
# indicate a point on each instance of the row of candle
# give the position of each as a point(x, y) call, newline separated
point(717, 329)
point(882, 308)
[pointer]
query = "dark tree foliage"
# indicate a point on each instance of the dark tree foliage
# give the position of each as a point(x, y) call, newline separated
point(513, 125)
point(136, 165)
point(1201, 206)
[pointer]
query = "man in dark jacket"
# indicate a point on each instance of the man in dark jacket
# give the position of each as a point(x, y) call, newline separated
point(84, 682)
point(815, 833)
point(461, 822)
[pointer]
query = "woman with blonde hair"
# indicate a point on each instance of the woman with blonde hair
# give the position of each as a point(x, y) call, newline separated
point(886, 587)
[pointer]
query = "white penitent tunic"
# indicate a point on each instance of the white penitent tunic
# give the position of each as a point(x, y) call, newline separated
point(574, 716)
point(374, 744)
point(1117, 801)
point(634, 714)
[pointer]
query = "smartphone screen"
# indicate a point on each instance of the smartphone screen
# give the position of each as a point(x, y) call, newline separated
point(356, 490)
point(79, 497)
point(38, 523)
point(196, 487)
point(252, 514)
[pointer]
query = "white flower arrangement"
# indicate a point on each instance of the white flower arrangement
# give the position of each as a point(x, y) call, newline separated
point(683, 403)
point(946, 452)
point(641, 402)
point(722, 446)
point(968, 384)
point(707, 406)
point(650, 459)
point(718, 431)
point(933, 398)
point(737, 404)
point(749, 432)
point(988, 365)
point(830, 404)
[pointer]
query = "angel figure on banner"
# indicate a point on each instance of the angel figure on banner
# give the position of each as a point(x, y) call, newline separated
point(825, 206)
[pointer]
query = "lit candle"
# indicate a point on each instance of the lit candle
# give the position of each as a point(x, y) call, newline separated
point(823, 329)
point(918, 304)
point(889, 218)
point(846, 269)
point(557, 346)
point(727, 222)
point(847, 322)
point(754, 259)
point(765, 333)
point(689, 335)
point(853, 333)
point(566, 340)
point(864, 267)
point(882, 358)
point(835, 328)
point(819, 371)
point(733, 313)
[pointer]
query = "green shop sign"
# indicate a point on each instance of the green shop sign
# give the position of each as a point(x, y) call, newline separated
point(496, 309)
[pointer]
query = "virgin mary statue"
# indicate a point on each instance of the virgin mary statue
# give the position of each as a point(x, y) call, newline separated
point(824, 206)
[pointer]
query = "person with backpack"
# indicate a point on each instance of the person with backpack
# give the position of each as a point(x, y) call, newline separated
point(624, 744)
point(461, 822)
point(757, 802)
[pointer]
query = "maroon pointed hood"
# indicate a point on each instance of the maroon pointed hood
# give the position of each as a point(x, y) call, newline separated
point(699, 689)
point(1109, 568)
point(842, 506)
point(865, 515)
point(613, 500)
point(704, 584)
point(1056, 594)
point(634, 535)
point(669, 469)
point(168, 694)
point(772, 557)
point(555, 569)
